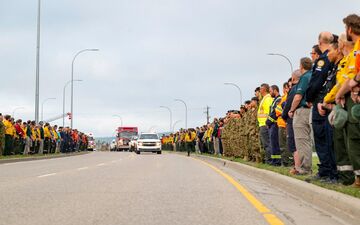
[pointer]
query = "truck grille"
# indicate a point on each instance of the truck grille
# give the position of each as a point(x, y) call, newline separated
point(149, 144)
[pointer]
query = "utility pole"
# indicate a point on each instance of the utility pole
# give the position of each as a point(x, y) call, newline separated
point(207, 112)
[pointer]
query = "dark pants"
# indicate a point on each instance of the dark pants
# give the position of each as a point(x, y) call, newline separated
point(47, 145)
point(353, 138)
point(265, 143)
point(323, 136)
point(274, 143)
point(286, 156)
point(190, 147)
point(345, 169)
point(201, 146)
point(221, 146)
point(9, 144)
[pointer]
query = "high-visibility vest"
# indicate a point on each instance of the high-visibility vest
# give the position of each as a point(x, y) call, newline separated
point(264, 110)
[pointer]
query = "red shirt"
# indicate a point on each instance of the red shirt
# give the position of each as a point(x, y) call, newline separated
point(19, 130)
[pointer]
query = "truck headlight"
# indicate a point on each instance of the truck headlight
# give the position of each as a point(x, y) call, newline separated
point(140, 143)
point(158, 143)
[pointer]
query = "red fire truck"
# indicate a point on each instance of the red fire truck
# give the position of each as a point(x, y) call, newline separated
point(124, 136)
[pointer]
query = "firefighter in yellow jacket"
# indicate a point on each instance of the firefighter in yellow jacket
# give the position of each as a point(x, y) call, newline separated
point(9, 135)
point(189, 140)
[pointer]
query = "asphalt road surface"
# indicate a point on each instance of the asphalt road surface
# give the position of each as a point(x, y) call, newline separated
point(112, 188)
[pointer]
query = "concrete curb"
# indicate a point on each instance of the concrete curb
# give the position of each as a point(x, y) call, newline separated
point(4, 161)
point(343, 206)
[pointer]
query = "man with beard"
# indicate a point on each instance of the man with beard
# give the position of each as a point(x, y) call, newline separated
point(271, 123)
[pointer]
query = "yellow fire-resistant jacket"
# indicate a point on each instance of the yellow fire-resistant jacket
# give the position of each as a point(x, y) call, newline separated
point(47, 133)
point(8, 127)
point(345, 70)
point(264, 109)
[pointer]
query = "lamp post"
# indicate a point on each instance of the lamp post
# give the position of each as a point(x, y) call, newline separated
point(119, 118)
point(72, 81)
point(178, 121)
point(67, 83)
point(186, 110)
point(285, 57)
point(235, 85)
point(165, 107)
point(17, 108)
point(42, 107)
point(37, 72)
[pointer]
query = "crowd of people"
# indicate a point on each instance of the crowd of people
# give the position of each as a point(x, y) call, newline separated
point(18, 137)
point(318, 109)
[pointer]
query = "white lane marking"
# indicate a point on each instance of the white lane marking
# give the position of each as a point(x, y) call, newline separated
point(83, 168)
point(47, 175)
point(101, 164)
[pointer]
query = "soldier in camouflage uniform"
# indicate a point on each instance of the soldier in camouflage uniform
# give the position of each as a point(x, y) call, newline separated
point(253, 132)
point(242, 135)
point(245, 133)
point(225, 136)
point(229, 130)
point(235, 137)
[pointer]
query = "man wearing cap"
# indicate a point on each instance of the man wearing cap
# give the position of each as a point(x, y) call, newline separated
point(348, 90)
point(320, 124)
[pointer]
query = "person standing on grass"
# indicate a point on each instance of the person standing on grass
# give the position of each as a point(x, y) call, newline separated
point(289, 121)
point(300, 112)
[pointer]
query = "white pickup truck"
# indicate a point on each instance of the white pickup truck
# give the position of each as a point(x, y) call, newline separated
point(148, 142)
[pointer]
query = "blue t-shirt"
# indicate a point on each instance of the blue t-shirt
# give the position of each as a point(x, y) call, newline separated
point(302, 86)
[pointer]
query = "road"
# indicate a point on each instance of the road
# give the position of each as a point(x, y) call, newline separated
point(110, 188)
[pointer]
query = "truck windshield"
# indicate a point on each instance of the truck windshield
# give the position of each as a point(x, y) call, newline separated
point(149, 136)
point(127, 134)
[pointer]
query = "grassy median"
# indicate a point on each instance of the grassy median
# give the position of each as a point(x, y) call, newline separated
point(349, 190)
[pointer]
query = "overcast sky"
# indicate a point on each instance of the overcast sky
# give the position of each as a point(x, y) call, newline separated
point(151, 52)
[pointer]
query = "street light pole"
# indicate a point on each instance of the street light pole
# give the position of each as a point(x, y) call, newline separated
point(165, 107)
point(67, 83)
point(37, 72)
point(186, 110)
point(235, 85)
point(72, 82)
point(42, 107)
point(285, 57)
point(178, 121)
point(119, 118)
point(17, 108)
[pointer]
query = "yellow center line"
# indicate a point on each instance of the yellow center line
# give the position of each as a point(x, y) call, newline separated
point(272, 219)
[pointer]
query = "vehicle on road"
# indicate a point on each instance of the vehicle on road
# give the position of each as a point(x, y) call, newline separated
point(133, 143)
point(91, 143)
point(123, 137)
point(148, 142)
point(113, 145)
